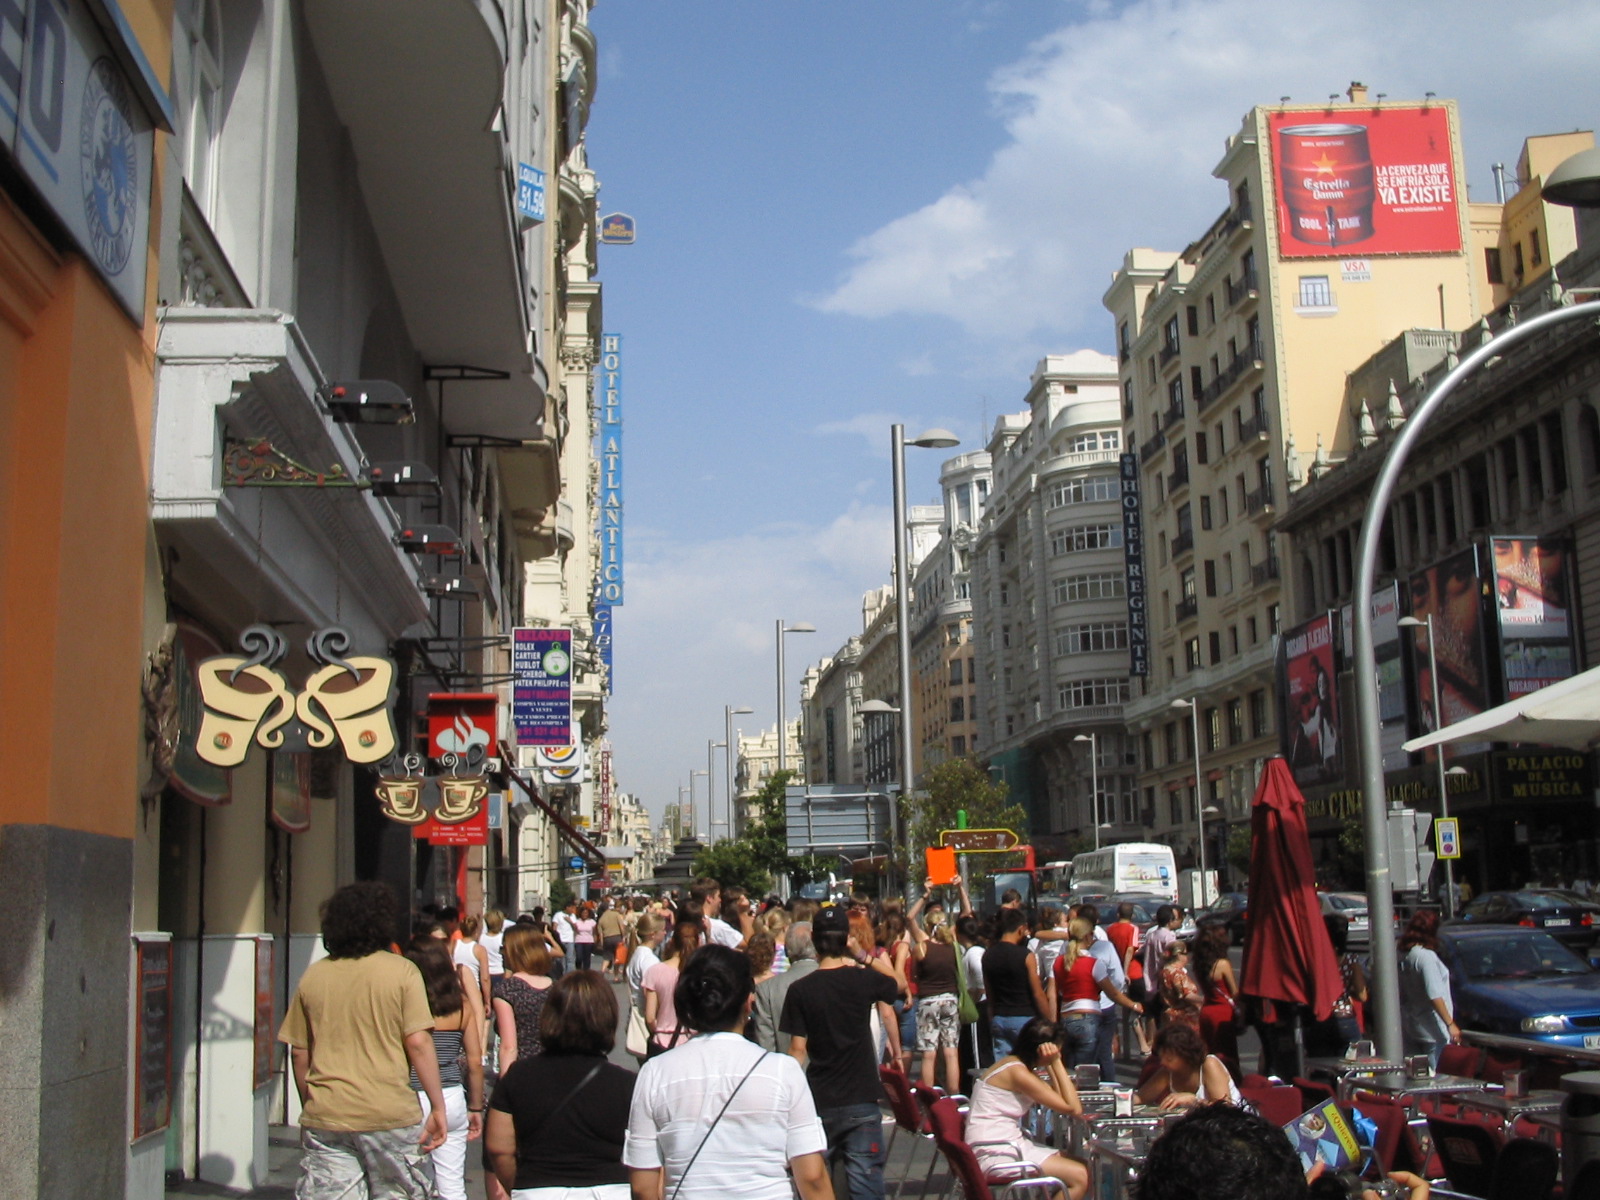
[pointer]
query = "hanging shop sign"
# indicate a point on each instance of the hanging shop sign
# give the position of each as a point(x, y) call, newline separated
point(174, 710)
point(618, 229)
point(152, 1054)
point(530, 193)
point(605, 788)
point(609, 452)
point(1533, 604)
point(446, 806)
point(541, 686)
point(1133, 565)
point(603, 643)
point(246, 700)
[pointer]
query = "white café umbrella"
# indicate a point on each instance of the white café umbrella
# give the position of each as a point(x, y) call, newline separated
point(1563, 714)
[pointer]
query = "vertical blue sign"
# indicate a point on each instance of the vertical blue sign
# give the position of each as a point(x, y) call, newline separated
point(610, 455)
point(602, 640)
point(541, 686)
point(530, 192)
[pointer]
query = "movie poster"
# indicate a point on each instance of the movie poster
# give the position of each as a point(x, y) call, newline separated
point(1370, 181)
point(1311, 737)
point(1450, 593)
point(1390, 664)
point(1532, 603)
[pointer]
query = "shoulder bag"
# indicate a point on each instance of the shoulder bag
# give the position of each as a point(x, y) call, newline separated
point(966, 1007)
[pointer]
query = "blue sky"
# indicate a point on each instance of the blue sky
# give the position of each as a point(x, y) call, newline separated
point(856, 213)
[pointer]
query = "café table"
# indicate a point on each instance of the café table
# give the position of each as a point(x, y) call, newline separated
point(1410, 1091)
point(1546, 1102)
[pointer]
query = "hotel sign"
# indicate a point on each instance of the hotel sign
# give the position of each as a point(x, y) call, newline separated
point(610, 454)
point(1133, 560)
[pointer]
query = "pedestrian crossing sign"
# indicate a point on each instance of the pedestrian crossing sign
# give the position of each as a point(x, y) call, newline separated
point(1447, 832)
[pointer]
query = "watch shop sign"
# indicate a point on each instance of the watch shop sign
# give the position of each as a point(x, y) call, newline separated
point(78, 130)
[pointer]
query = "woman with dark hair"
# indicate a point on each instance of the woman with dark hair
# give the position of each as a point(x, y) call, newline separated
point(1181, 997)
point(584, 938)
point(661, 981)
point(457, 1041)
point(519, 994)
point(720, 1118)
point(1214, 973)
point(557, 1121)
point(1188, 1076)
point(1427, 1012)
point(1002, 1097)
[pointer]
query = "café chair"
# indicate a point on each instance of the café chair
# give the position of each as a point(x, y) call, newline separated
point(1460, 1060)
point(948, 1126)
point(1467, 1152)
point(1525, 1170)
point(1279, 1104)
point(907, 1117)
point(1312, 1092)
point(1391, 1148)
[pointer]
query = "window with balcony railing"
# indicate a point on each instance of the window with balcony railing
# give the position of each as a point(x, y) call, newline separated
point(1188, 610)
point(1183, 543)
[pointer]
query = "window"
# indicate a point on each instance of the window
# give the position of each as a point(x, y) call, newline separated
point(1092, 693)
point(1211, 318)
point(1005, 593)
point(958, 708)
point(1213, 726)
point(1517, 264)
point(955, 670)
point(1197, 386)
point(1078, 538)
point(1227, 579)
point(199, 81)
point(1086, 639)
point(1535, 250)
point(1104, 585)
point(1250, 630)
point(1315, 292)
point(1169, 333)
point(1088, 490)
point(1235, 722)
point(1211, 581)
point(1186, 584)
point(1200, 455)
point(1205, 512)
point(1123, 343)
point(1214, 644)
point(1127, 399)
point(1175, 801)
point(972, 670)
point(1175, 394)
point(1260, 722)
point(958, 746)
point(1148, 744)
point(1193, 314)
point(1222, 506)
point(1083, 443)
point(1233, 639)
point(1491, 264)
point(1191, 654)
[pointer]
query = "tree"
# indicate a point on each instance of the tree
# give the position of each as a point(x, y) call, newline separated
point(1238, 851)
point(761, 853)
point(560, 894)
point(960, 784)
point(735, 862)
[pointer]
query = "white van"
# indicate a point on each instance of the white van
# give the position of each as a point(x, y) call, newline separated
point(1130, 867)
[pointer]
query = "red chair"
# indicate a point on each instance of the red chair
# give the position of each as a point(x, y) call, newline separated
point(1312, 1092)
point(1525, 1170)
point(907, 1117)
point(947, 1121)
point(1392, 1148)
point(1467, 1152)
point(1460, 1060)
point(926, 1097)
point(1495, 1064)
point(1279, 1104)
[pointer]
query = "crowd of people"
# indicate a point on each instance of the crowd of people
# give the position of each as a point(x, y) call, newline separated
point(758, 1029)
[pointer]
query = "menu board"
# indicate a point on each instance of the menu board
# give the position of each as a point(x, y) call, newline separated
point(264, 1030)
point(152, 1056)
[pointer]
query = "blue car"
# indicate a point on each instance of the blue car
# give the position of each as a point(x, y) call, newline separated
point(1521, 982)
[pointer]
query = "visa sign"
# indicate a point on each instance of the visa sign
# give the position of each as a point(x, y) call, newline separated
point(610, 455)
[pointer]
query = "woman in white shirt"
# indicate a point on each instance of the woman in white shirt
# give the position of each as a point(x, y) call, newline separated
point(719, 1118)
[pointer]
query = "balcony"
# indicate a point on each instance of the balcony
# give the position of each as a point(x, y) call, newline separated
point(1153, 447)
point(1179, 478)
point(1183, 544)
point(1168, 353)
point(1264, 573)
point(1242, 216)
point(1244, 288)
point(1245, 362)
point(1172, 416)
point(1259, 502)
point(1188, 608)
point(1256, 427)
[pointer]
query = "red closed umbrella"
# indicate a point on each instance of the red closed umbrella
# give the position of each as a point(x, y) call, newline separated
point(1288, 955)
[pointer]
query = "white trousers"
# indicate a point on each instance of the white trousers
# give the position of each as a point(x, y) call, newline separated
point(450, 1159)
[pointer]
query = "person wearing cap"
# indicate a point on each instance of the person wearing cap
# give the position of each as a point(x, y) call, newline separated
point(828, 1016)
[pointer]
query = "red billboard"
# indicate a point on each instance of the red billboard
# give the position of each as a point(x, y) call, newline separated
point(1378, 181)
point(1450, 592)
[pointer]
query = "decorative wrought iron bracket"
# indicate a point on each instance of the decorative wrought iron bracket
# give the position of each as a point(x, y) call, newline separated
point(256, 462)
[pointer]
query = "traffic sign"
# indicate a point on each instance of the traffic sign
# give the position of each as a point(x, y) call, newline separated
point(979, 841)
point(575, 863)
point(1447, 831)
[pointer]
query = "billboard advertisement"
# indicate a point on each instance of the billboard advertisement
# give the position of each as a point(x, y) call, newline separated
point(1380, 181)
point(1311, 738)
point(541, 686)
point(1391, 670)
point(1451, 594)
point(1531, 600)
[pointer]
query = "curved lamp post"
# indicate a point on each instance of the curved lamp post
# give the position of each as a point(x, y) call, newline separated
point(1380, 892)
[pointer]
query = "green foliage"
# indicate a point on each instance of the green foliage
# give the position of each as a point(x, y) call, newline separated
point(735, 863)
point(753, 860)
point(1238, 851)
point(560, 894)
point(957, 784)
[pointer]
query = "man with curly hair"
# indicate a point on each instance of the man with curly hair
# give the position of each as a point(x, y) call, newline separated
point(358, 1021)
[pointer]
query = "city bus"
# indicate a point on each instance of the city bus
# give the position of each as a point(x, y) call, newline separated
point(1130, 867)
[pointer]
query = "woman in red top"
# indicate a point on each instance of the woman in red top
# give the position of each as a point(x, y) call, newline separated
point(1077, 982)
point(1214, 973)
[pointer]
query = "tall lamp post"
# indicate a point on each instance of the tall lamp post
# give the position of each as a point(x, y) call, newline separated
point(712, 745)
point(1094, 778)
point(728, 712)
point(1438, 752)
point(685, 814)
point(693, 831)
point(1193, 705)
point(933, 439)
point(882, 708)
point(783, 734)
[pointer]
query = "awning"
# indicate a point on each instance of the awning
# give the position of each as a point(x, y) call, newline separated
point(1563, 714)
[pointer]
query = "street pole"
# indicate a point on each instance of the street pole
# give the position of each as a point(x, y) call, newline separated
point(783, 738)
point(1094, 779)
point(693, 832)
point(727, 752)
point(1385, 975)
point(902, 615)
point(1199, 802)
point(711, 790)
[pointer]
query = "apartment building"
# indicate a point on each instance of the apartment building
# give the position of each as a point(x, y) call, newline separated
point(1345, 224)
point(756, 762)
point(1049, 603)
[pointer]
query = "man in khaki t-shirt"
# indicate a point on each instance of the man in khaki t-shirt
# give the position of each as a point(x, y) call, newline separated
point(359, 1021)
point(610, 929)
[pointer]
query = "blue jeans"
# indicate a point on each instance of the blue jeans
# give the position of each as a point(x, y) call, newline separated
point(855, 1137)
point(1004, 1032)
point(1110, 1019)
point(1079, 1032)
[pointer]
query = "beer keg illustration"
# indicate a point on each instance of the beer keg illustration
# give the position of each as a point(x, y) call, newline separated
point(1325, 179)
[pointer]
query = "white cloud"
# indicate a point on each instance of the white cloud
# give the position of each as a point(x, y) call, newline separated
point(1114, 122)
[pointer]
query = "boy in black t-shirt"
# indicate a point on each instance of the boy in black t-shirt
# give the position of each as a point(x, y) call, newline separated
point(829, 1016)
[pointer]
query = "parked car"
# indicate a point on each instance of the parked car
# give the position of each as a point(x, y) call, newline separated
point(1521, 982)
point(1352, 906)
point(1231, 910)
point(1567, 918)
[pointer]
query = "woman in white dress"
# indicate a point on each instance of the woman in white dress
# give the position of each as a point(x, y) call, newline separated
point(1002, 1097)
point(1188, 1076)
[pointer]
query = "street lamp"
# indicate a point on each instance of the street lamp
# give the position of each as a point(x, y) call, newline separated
point(727, 749)
point(693, 831)
point(711, 790)
point(685, 814)
point(1438, 752)
point(933, 439)
point(1194, 726)
point(1211, 810)
point(783, 734)
point(1094, 779)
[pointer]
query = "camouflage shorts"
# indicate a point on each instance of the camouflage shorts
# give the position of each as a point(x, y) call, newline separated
point(382, 1165)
